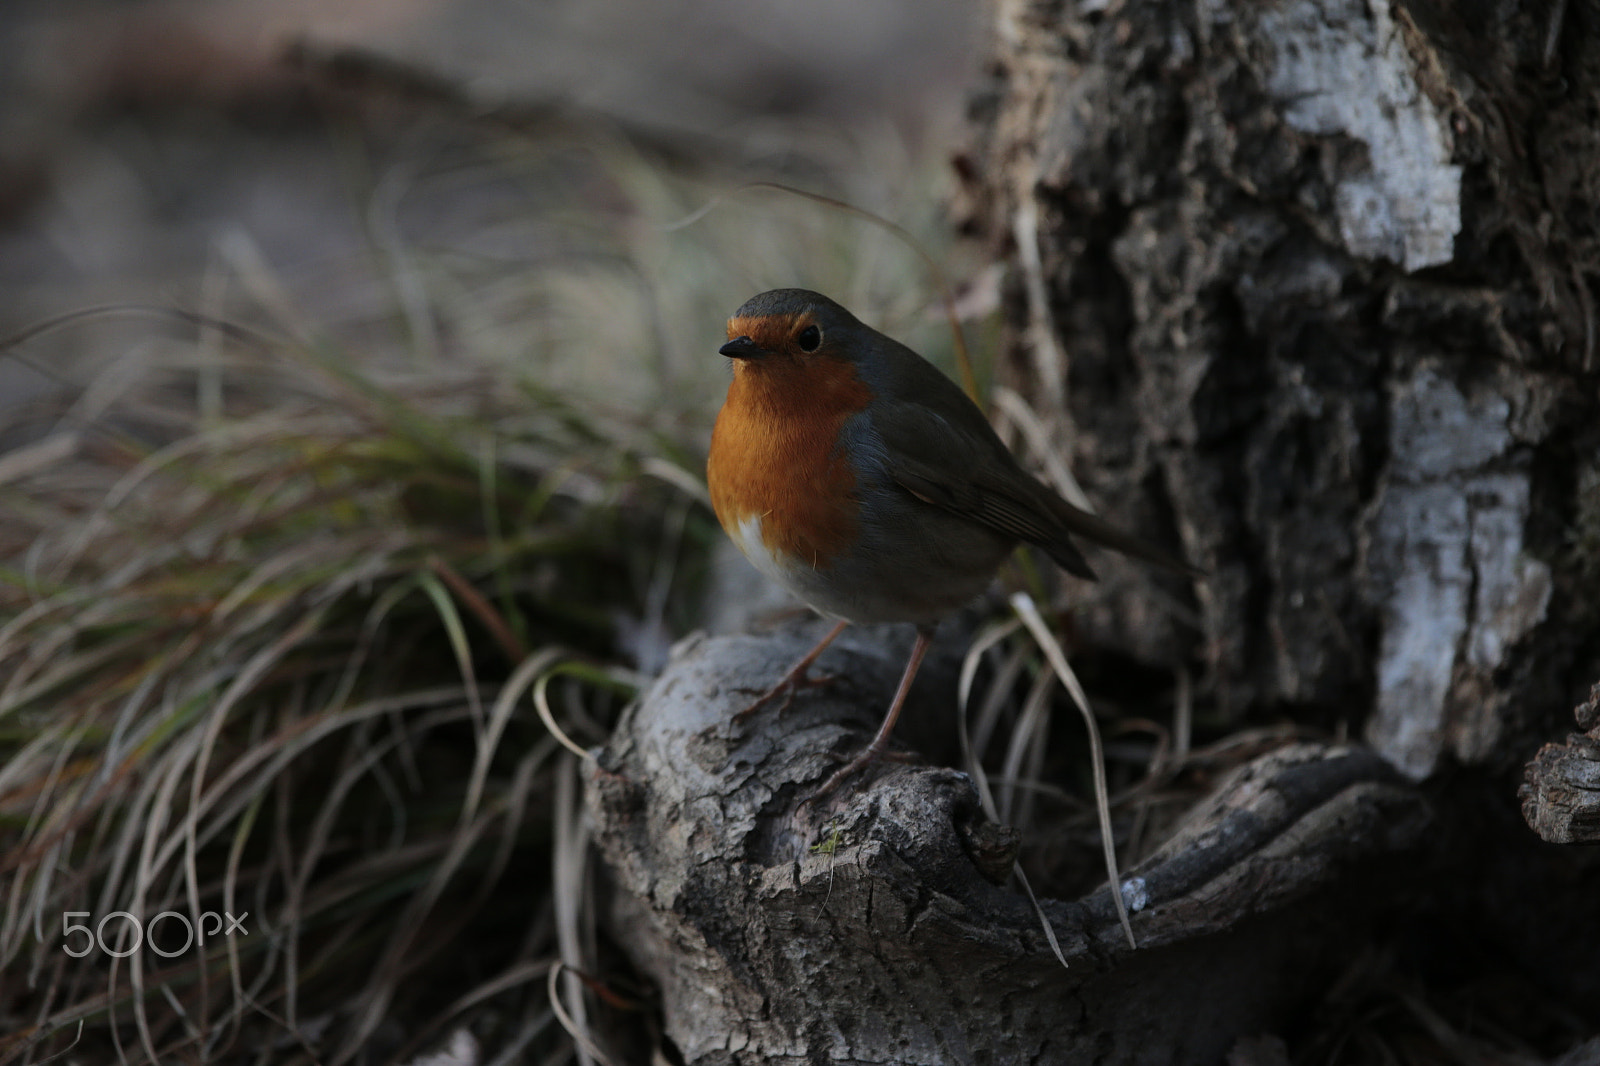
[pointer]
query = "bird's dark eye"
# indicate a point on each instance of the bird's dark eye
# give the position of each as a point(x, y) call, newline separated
point(809, 339)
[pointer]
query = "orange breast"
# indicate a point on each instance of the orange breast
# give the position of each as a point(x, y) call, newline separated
point(775, 457)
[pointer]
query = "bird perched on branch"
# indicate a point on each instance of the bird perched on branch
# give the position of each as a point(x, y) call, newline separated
point(856, 474)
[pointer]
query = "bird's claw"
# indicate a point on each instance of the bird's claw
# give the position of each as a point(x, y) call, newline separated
point(786, 687)
point(863, 760)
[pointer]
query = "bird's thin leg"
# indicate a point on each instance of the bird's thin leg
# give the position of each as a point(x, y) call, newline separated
point(791, 680)
point(880, 742)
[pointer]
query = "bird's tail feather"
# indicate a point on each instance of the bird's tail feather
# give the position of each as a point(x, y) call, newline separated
point(1093, 527)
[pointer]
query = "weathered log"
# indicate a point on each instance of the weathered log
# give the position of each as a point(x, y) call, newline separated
point(877, 924)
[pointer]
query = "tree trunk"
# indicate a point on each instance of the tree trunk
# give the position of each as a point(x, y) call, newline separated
point(1309, 289)
point(1312, 284)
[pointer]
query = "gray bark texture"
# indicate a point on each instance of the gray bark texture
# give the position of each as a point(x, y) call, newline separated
point(1561, 791)
point(1311, 285)
point(877, 925)
point(1306, 289)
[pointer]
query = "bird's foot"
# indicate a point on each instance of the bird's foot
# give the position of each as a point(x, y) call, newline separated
point(880, 741)
point(795, 679)
point(869, 755)
point(786, 687)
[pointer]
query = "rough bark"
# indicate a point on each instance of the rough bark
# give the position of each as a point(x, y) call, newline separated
point(1561, 790)
point(878, 924)
point(1311, 285)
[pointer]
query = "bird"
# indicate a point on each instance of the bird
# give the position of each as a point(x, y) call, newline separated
point(853, 472)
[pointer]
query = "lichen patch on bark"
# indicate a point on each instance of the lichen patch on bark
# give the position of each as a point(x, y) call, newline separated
point(1342, 68)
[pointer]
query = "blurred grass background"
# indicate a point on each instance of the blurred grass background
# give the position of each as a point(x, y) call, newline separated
point(289, 579)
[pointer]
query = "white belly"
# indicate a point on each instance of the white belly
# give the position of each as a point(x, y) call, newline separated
point(747, 535)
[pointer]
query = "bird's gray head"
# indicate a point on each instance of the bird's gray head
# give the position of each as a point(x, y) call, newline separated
point(794, 322)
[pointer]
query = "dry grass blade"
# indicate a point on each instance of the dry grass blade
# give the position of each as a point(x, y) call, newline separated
point(541, 700)
point(1024, 606)
point(571, 864)
point(1010, 404)
point(1027, 741)
point(1044, 920)
point(974, 765)
point(535, 666)
point(574, 1028)
point(969, 672)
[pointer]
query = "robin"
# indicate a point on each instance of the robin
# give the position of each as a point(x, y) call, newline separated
point(852, 471)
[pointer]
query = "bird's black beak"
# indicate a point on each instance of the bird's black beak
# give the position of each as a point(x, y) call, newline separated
point(742, 348)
